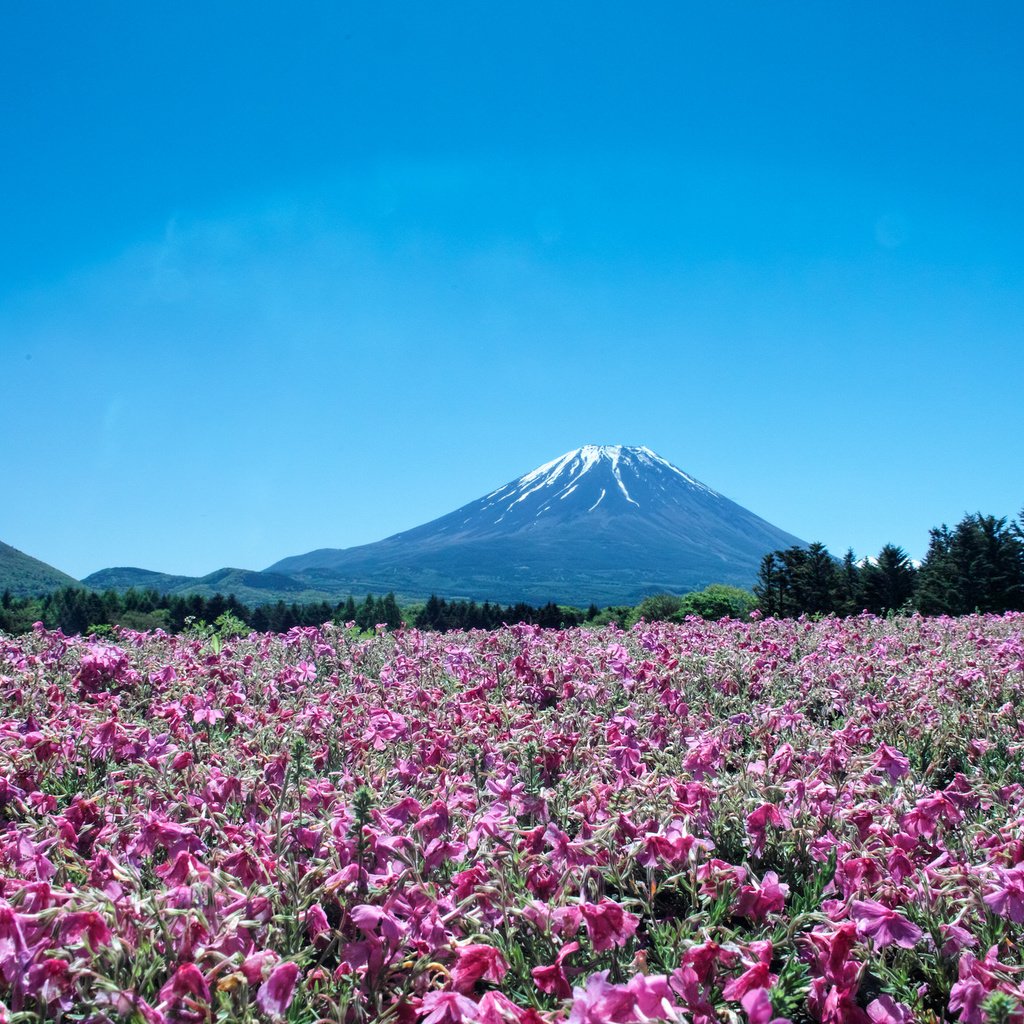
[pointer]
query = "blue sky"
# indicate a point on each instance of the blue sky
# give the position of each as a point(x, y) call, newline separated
point(274, 279)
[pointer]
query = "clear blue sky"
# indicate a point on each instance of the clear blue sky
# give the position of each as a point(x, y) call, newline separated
point(280, 278)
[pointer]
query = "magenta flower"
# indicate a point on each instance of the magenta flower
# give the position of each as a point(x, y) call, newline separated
point(756, 901)
point(376, 922)
point(757, 826)
point(892, 762)
point(885, 1010)
point(884, 925)
point(447, 1008)
point(477, 962)
point(14, 951)
point(757, 1005)
point(1007, 897)
point(757, 975)
point(551, 978)
point(643, 998)
point(186, 995)
point(608, 924)
point(258, 965)
point(275, 994)
point(51, 982)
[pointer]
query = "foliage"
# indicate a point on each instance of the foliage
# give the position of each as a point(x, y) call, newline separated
point(717, 601)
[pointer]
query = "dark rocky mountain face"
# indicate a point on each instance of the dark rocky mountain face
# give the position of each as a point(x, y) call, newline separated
point(608, 524)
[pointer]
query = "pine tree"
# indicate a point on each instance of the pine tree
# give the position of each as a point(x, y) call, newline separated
point(888, 583)
point(977, 566)
point(391, 614)
point(769, 587)
point(849, 591)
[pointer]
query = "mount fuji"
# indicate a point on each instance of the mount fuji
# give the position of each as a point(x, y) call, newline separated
point(603, 523)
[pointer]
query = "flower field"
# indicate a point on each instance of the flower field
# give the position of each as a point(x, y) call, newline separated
point(757, 822)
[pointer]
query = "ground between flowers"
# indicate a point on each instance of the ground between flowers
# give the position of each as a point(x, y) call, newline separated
point(761, 821)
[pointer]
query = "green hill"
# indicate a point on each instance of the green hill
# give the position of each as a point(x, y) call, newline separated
point(251, 588)
point(125, 577)
point(25, 576)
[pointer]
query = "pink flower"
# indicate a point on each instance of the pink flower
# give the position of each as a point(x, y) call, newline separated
point(835, 1004)
point(892, 762)
point(884, 924)
point(258, 965)
point(1007, 899)
point(644, 998)
point(186, 996)
point(757, 1005)
point(757, 901)
point(89, 923)
point(14, 951)
point(608, 924)
point(957, 938)
point(673, 847)
point(757, 975)
point(552, 978)
point(496, 1008)
point(51, 982)
point(477, 962)
point(974, 982)
point(757, 825)
point(830, 954)
point(318, 928)
point(376, 922)
point(885, 1010)
point(275, 994)
point(447, 1008)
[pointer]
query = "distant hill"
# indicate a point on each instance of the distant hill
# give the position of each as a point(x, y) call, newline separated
point(250, 587)
point(603, 523)
point(25, 576)
point(126, 577)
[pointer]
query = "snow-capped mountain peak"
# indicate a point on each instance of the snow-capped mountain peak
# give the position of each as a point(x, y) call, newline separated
point(628, 474)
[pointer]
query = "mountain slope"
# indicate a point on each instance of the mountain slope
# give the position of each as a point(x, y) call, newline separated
point(25, 576)
point(608, 524)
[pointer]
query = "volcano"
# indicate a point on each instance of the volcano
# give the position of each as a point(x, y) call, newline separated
point(608, 524)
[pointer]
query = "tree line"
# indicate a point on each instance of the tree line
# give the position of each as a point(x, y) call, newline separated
point(977, 566)
point(77, 610)
point(439, 614)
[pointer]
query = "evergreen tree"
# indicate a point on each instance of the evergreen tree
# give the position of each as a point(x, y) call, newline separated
point(888, 583)
point(977, 566)
point(367, 616)
point(429, 614)
point(849, 590)
point(817, 581)
point(390, 613)
point(770, 586)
